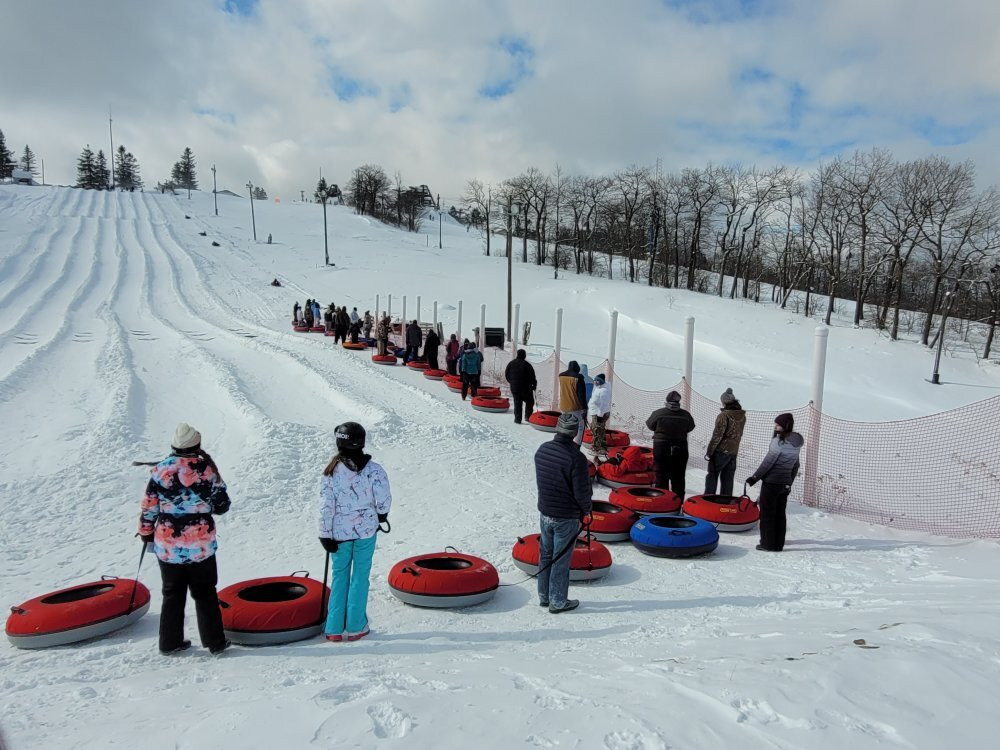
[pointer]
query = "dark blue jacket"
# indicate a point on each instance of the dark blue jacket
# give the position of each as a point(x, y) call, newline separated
point(564, 489)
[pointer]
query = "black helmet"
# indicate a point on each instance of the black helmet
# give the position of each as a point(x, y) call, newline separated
point(350, 436)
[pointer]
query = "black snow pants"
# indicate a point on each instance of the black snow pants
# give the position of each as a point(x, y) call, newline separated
point(470, 382)
point(525, 400)
point(772, 503)
point(670, 463)
point(200, 578)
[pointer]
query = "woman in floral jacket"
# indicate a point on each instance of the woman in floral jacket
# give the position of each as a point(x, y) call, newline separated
point(354, 502)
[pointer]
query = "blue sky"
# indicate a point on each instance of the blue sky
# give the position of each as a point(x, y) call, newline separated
point(444, 92)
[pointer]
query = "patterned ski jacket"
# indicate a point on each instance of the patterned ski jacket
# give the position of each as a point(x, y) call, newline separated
point(183, 492)
point(350, 502)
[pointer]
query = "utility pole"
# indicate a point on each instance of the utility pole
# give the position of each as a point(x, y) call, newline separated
point(215, 191)
point(112, 134)
point(43, 171)
point(302, 196)
point(252, 219)
point(439, 222)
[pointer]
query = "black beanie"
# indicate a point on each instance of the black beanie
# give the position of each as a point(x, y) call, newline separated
point(786, 422)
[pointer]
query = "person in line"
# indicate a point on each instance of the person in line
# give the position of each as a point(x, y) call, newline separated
point(724, 445)
point(367, 324)
point(431, 344)
point(317, 312)
point(328, 319)
point(354, 503)
point(564, 501)
point(470, 367)
point(382, 335)
point(355, 331)
point(355, 318)
point(777, 472)
point(307, 314)
point(520, 375)
point(297, 313)
point(275, 282)
point(670, 426)
point(573, 395)
point(599, 409)
point(451, 353)
point(414, 338)
point(343, 324)
point(183, 493)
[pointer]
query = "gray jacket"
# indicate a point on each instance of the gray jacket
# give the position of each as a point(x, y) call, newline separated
point(781, 464)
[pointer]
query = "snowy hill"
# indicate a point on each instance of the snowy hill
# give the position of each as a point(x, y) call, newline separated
point(118, 319)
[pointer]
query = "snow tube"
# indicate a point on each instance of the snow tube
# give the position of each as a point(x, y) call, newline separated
point(646, 500)
point(591, 469)
point(435, 374)
point(487, 403)
point(355, 347)
point(544, 420)
point(300, 329)
point(727, 512)
point(416, 364)
point(268, 611)
point(452, 380)
point(670, 536)
point(608, 477)
point(329, 333)
point(488, 391)
point(611, 523)
point(443, 579)
point(455, 386)
point(589, 562)
point(612, 438)
point(384, 359)
point(77, 613)
point(318, 329)
point(398, 351)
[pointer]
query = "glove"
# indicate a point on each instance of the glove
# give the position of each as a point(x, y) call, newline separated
point(146, 538)
point(383, 517)
point(708, 458)
point(328, 544)
point(752, 481)
point(586, 519)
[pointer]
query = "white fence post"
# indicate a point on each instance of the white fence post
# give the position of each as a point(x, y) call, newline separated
point(688, 360)
point(557, 354)
point(482, 327)
point(517, 322)
point(418, 308)
point(376, 306)
point(435, 321)
point(612, 341)
point(809, 496)
point(388, 309)
point(458, 330)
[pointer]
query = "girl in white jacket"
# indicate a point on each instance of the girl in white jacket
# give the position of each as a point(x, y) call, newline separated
point(354, 503)
point(599, 408)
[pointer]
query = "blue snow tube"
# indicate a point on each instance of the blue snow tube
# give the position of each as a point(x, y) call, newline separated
point(674, 536)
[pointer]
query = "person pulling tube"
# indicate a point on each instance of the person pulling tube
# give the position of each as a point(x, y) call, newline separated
point(777, 472)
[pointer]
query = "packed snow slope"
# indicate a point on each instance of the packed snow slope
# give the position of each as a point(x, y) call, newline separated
point(118, 319)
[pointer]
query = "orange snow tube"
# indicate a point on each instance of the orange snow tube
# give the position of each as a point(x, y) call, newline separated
point(435, 374)
point(646, 500)
point(384, 359)
point(354, 346)
point(487, 403)
point(612, 438)
point(416, 364)
point(727, 512)
point(545, 420)
point(610, 522)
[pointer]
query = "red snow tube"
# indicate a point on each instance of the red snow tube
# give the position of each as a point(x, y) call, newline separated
point(300, 329)
point(355, 347)
point(329, 333)
point(612, 476)
point(266, 611)
point(454, 383)
point(591, 469)
point(488, 391)
point(727, 512)
point(318, 329)
point(646, 500)
point(416, 364)
point(443, 579)
point(610, 522)
point(590, 560)
point(77, 613)
point(435, 374)
point(384, 359)
point(612, 438)
point(487, 403)
point(544, 421)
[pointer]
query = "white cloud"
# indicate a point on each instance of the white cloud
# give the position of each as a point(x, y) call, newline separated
point(593, 87)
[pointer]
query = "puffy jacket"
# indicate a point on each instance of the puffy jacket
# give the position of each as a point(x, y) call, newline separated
point(728, 430)
point(572, 391)
point(183, 492)
point(600, 401)
point(632, 459)
point(671, 424)
point(451, 349)
point(413, 335)
point(521, 376)
point(564, 489)
point(781, 464)
point(350, 502)
point(471, 361)
point(354, 316)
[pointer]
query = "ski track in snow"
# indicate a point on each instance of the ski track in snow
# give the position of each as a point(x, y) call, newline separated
point(117, 320)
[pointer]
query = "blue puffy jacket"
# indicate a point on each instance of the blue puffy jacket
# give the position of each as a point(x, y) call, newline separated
point(564, 489)
point(471, 361)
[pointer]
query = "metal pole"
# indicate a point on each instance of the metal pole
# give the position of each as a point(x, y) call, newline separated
point(613, 340)
point(376, 308)
point(215, 191)
point(435, 314)
point(688, 360)
point(252, 217)
point(935, 378)
point(517, 321)
point(482, 326)
point(111, 133)
point(815, 416)
point(418, 308)
point(388, 310)
point(458, 328)
point(557, 355)
point(326, 236)
point(404, 314)
point(439, 222)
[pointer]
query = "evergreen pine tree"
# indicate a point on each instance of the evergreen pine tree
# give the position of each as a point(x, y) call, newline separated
point(85, 169)
point(122, 173)
point(184, 171)
point(6, 158)
point(28, 161)
point(135, 179)
point(102, 177)
point(259, 194)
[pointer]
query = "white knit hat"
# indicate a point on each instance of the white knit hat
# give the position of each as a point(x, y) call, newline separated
point(185, 436)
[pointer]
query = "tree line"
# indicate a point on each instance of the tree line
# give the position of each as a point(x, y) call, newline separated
point(908, 244)
point(27, 161)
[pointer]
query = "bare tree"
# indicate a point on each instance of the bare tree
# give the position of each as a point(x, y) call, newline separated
point(480, 198)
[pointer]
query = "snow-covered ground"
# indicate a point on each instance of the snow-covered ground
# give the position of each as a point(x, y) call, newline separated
point(117, 320)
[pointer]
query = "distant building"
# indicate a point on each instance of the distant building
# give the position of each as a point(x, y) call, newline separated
point(423, 195)
point(228, 192)
point(20, 177)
